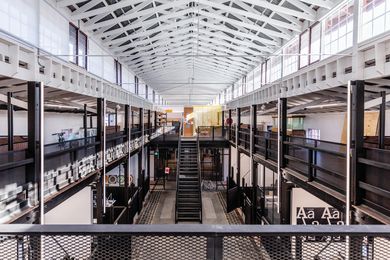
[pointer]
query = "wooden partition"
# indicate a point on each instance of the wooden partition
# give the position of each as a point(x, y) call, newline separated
point(188, 127)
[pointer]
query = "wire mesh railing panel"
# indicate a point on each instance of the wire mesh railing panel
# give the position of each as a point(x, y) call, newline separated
point(243, 248)
point(169, 247)
point(194, 242)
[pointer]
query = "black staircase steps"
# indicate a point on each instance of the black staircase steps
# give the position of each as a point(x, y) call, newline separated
point(188, 204)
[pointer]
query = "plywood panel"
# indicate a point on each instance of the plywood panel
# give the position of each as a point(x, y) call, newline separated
point(188, 127)
point(370, 125)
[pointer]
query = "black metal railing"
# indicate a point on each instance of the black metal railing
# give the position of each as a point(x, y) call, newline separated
point(244, 137)
point(318, 160)
point(372, 182)
point(210, 132)
point(266, 144)
point(194, 241)
point(177, 176)
point(199, 177)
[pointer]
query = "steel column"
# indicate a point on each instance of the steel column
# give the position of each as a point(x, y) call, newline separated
point(356, 138)
point(126, 165)
point(155, 119)
point(223, 123)
point(253, 163)
point(34, 172)
point(85, 119)
point(283, 131)
point(230, 125)
point(116, 119)
point(149, 123)
point(10, 117)
point(382, 121)
point(238, 160)
point(215, 248)
point(100, 128)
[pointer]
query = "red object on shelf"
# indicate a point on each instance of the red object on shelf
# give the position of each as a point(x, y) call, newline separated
point(229, 121)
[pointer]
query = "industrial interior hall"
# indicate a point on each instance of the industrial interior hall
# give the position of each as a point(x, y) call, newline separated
point(204, 129)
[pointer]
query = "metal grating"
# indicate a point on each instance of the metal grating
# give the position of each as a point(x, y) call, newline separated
point(193, 247)
point(232, 217)
point(148, 211)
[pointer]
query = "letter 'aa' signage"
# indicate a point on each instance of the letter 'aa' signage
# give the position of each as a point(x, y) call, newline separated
point(319, 216)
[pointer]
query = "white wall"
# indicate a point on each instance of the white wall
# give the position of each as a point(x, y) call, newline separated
point(245, 163)
point(55, 122)
point(74, 210)
point(329, 124)
point(301, 198)
point(20, 123)
point(134, 168)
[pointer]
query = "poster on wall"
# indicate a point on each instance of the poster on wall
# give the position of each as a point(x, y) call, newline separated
point(318, 216)
point(306, 209)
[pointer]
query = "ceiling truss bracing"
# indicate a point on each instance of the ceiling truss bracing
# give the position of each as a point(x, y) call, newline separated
point(190, 42)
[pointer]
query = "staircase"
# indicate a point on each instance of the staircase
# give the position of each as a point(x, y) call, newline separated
point(188, 192)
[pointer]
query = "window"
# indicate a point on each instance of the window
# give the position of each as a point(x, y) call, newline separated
point(146, 92)
point(72, 44)
point(276, 68)
point(78, 46)
point(263, 68)
point(268, 71)
point(375, 18)
point(82, 50)
point(290, 59)
point(118, 73)
point(257, 77)
point(136, 82)
point(304, 49)
point(313, 134)
point(338, 30)
point(153, 96)
point(229, 94)
point(315, 43)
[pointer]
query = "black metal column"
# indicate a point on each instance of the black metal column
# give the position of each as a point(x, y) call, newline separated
point(230, 124)
point(85, 119)
point(126, 164)
point(382, 121)
point(34, 120)
point(100, 128)
point(155, 119)
point(223, 123)
point(357, 138)
point(285, 188)
point(283, 131)
point(149, 123)
point(132, 119)
point(254, 164)
point(238, 155)
point(116, 119)
point(10, 117)
point(141, 120)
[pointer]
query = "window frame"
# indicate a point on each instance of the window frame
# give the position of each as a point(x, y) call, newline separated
point(77, 58)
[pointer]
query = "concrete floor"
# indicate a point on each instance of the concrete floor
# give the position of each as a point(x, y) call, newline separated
point(213, 211)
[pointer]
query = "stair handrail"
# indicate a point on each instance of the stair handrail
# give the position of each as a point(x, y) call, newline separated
point(199, 178)
point(178, 171)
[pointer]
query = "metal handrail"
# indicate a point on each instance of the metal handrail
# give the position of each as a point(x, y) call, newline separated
point(199, 178)
point(178, 172)
point(196, 230)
